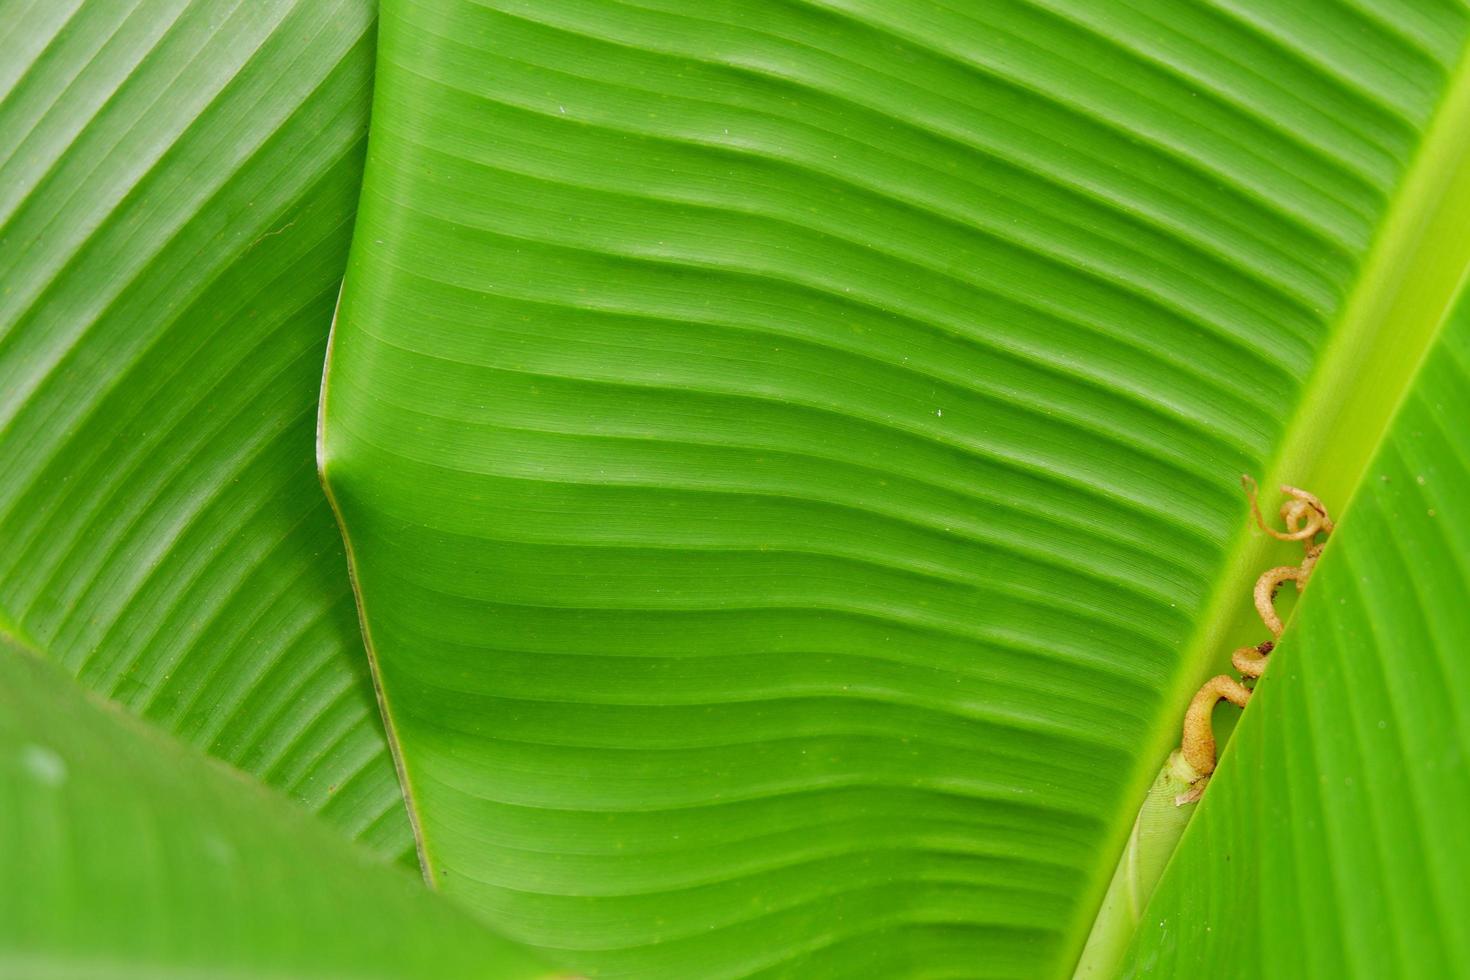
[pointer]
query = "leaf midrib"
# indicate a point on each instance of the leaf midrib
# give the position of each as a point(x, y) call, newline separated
point(1418, 260)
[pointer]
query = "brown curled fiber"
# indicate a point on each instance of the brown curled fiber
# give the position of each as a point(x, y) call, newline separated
point(1303, 514)
point(1267, 586)
point(1251, 661)
point(1198, 745)
point(1305, 518)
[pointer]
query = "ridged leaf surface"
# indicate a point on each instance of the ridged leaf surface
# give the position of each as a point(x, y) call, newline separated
point(790, 451)
point(177, 185)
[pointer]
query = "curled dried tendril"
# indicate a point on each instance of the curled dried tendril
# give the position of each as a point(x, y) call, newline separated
point(1303, 514)
point(1251, 661)
point(1198, 745)
point(1267, 586)
point(1306, 519)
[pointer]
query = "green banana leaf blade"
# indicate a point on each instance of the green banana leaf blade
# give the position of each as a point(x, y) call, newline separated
point(789, 453)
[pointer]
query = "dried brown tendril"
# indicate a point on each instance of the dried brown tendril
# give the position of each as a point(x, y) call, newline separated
point(1305, 518)
point(1309, 562)
point(1267, 586)
point(1251, 661)
point(1198, 746)
point(1303, 514)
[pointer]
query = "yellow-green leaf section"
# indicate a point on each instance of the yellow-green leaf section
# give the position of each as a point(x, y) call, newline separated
point(1331, 842)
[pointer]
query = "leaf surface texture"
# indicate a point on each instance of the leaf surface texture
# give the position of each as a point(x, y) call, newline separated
point(177, 185)
point(784, 448)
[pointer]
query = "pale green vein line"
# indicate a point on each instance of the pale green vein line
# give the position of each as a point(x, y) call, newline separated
point(1412, 275)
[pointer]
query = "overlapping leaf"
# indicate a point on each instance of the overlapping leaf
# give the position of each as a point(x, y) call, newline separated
point(177, 185)
point(126, 854)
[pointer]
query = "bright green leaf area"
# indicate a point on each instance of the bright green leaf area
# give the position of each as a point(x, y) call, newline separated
point(1423, 252)
point(177, 185)
point(1332, 843)
point(126, 854)
point(789, 453)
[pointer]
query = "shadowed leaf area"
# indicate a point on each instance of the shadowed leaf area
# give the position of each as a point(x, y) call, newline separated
point(177, 185)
